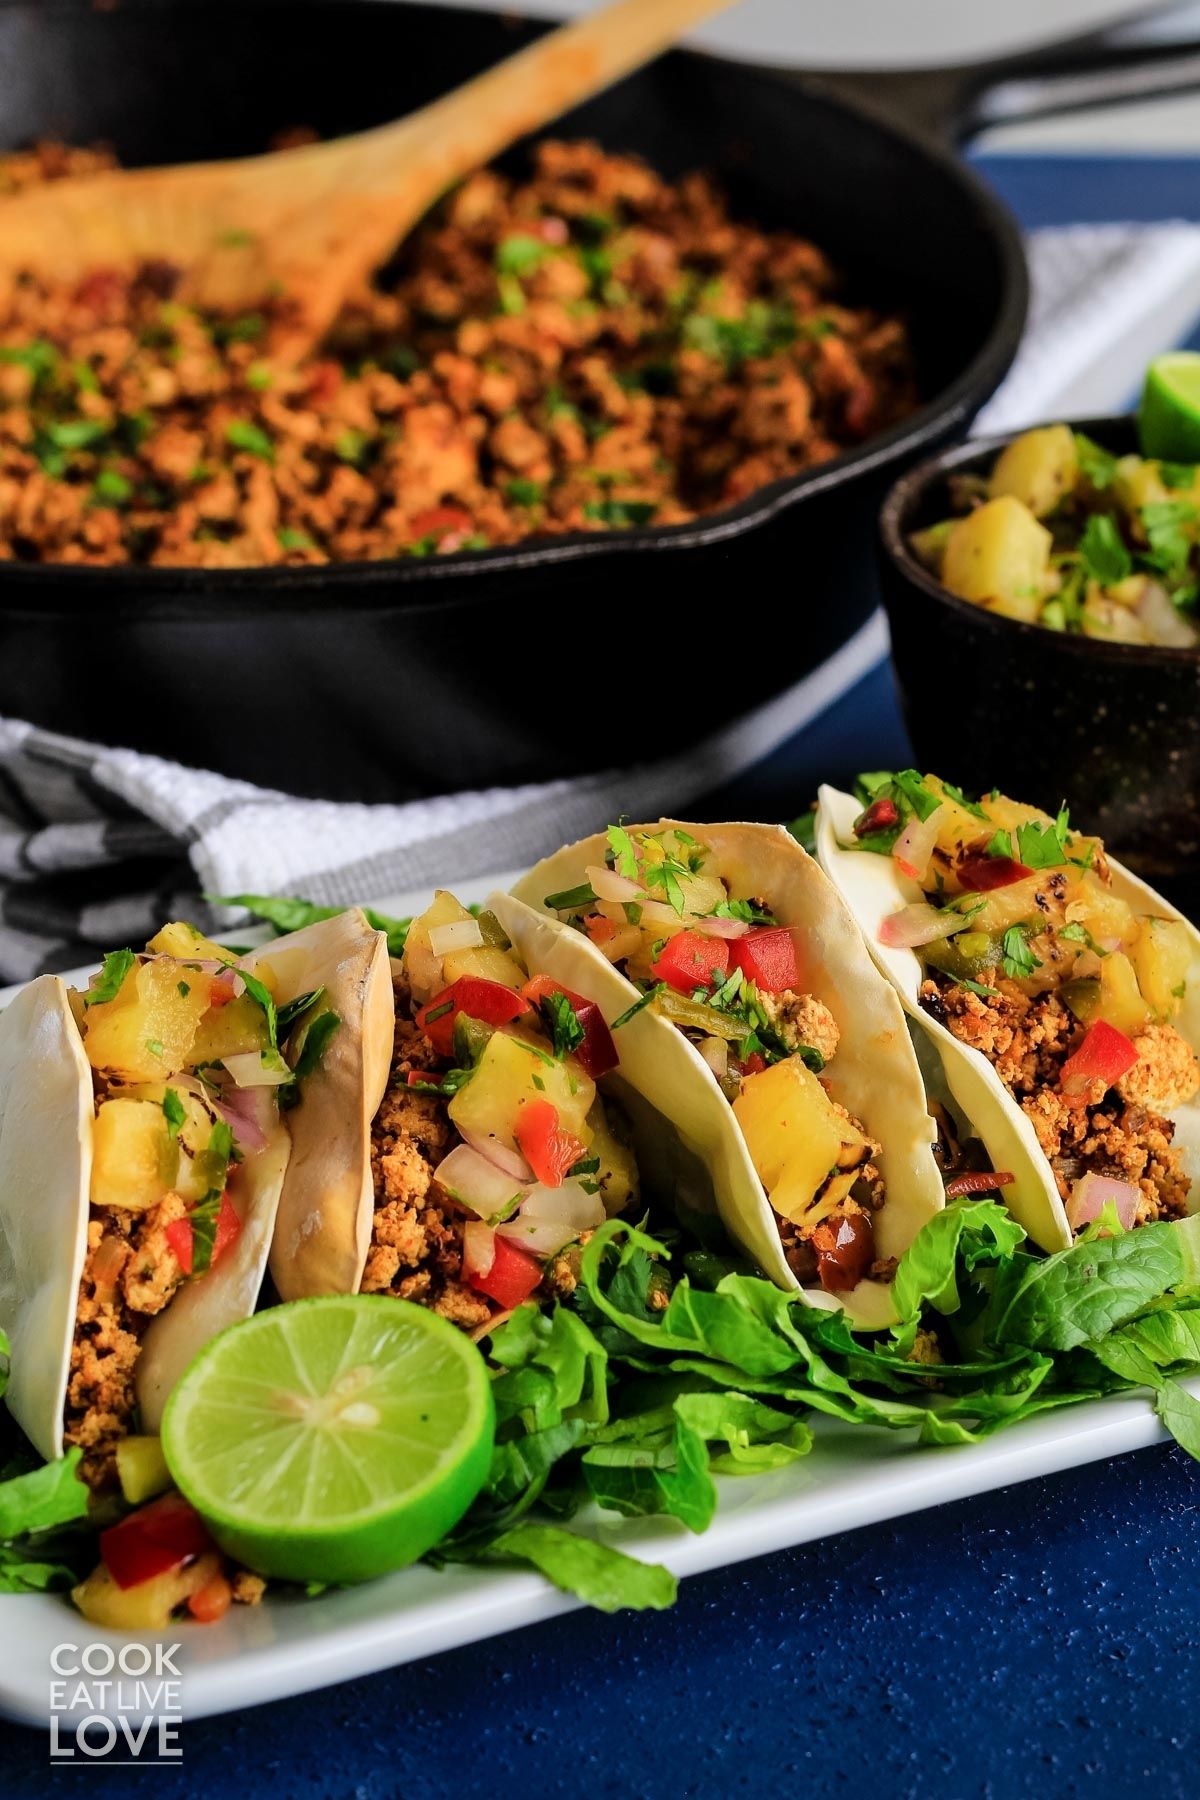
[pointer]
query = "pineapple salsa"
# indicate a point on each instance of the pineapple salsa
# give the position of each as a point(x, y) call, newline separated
point(191, 1061)
point(493, 1151)
point(1031, 958)
point(727, 974)
point(1063, 535)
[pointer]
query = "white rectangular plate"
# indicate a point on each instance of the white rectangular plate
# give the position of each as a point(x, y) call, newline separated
point(289, 1646)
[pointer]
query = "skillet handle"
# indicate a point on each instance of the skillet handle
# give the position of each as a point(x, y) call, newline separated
point(1041, 87)
point(957, 102)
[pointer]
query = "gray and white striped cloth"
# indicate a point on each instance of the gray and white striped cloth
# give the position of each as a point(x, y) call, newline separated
point(99, 845)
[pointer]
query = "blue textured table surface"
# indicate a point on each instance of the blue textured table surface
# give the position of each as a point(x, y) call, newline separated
point(1044, 1640)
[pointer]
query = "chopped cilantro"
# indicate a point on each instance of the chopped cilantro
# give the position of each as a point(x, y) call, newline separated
point(291, 539)
point(174, 1112)
point(624, 852)
point(520, 254)
point(350, 446)
point(566, 1031)
point(1044, 846)
point(570, 899)
point(1018, 959)
point(243, 434)
point(295, 1009)
point(632, 911)
point(262, 994)
point(111, 488)
point(621, 514)
point(154, 1046)
point(107, 986)
point(183, 988)
point(1095, 463)
point(960, 799)
point(316, 1041)
point(524, 492)
point(742, 909)
point(637, 1006)
point(762, 329)
point(999, 844)
point(1102, 551)
point(1170, 541)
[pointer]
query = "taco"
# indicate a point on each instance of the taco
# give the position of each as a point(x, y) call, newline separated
point(470, 1128)
point(1060, 995)
point(142, 1155)
point(791, 1069)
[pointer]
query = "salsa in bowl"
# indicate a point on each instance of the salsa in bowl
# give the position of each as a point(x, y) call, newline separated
point(1113, 722)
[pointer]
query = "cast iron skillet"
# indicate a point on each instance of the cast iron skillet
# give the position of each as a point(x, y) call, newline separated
point(386, 681)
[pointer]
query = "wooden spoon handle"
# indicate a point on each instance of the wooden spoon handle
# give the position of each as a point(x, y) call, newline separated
point(465, 129)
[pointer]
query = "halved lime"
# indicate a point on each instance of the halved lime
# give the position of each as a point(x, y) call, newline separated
point(1169, 414)
point(332, 1439)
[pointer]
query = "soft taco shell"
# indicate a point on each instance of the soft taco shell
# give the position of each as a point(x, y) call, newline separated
point(323, 1225)
point(46, 1115)
point(874, 1074)
point(873, 887)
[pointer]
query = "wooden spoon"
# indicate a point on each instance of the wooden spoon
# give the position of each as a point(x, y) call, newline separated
point(315, 221)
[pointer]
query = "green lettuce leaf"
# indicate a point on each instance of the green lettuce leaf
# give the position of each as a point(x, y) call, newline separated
point(603, 1577)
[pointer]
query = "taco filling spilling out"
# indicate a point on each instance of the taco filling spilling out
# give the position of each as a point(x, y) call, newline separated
point(493, 1155)
point(729, 975)
point(1032, 957)
point(189, 1059)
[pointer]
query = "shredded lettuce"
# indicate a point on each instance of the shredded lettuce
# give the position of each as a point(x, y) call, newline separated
point(39, 1503)
point(284, 913)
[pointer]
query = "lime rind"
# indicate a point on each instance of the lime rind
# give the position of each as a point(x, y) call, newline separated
point(334, 1438)
point(1169, 411)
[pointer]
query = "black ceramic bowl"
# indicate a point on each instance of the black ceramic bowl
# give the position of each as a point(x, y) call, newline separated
point(1112, 728)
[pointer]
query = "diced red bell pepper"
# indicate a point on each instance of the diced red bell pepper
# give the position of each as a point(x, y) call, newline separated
point(690, 960)
point(754, 1064)
point(440, 521)
point(223, 988)
point(512, 1277)
point(881, 815)
point(490, 1001)
point(324, 380)
point(212, 1601)
point(597, 1054)
point(599, 928)
point(1104, 1055)
point(978, 1181)
point(979, 873)
point(152, 1540)
point(767, 957)
point(547, 1148)
point(180, 1236)
point(845, 1250)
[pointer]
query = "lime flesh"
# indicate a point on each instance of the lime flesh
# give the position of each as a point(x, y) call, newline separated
point(1169, 414)
point(332, 1439)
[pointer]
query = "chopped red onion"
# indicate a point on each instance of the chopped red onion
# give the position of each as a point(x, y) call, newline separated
point(250, 1069)
point(1092, 1193)
point(719, 928)
point(608, 885)
point(462, 934)
point(475, 1182)
point(551, 1218)
point(918, 924)
point(510, 1161)
point(479, 1248)
point(914, 846)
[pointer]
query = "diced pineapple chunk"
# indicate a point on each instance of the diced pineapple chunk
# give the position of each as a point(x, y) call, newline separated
point(132, 1155)
point(1039, 468)
point(147, 1031)
point(1138, 482)
point(510, 1074)
point(142, 1469)
point(1121, 1002)
point(1102, 912)
point(795, 1135)
point(486, 962)
point(186, 942)
point(1162, 957)
point(1007, 906)
point(617, 1176)
point(998, 552)
point(230, 1030)
point(423, 968)
point(149, 1605)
